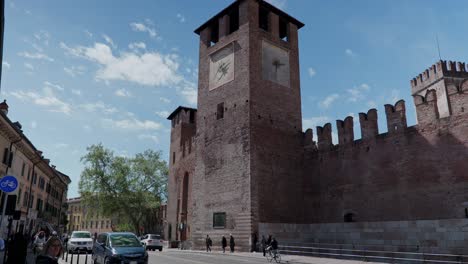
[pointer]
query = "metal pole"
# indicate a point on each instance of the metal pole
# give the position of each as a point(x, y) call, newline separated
point(5, 200)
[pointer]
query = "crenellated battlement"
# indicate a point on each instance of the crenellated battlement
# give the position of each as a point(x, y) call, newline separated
point(436, 72)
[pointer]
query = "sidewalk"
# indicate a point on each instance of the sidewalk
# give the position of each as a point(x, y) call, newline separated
point(284, 258)
point(30, 258)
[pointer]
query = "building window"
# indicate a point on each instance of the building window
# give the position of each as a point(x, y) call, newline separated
point(234, 19)
point(22, 169)
point(220, 111)
point(263, 18)
point(349, 217)
point(219, 220)
point(284, 30)
point(214, 33)
point(173, 157)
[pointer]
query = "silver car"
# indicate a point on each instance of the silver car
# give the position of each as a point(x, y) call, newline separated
point(152, 242)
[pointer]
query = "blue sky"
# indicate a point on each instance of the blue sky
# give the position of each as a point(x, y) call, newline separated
point(77, 73)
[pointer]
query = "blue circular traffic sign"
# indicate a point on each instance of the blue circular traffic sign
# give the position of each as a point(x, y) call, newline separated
point(8, 184)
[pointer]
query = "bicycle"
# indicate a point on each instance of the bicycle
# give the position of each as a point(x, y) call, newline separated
point(273, 254)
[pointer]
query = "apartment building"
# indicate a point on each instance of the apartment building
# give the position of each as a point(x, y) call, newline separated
point(40, 199)
point(83, 218)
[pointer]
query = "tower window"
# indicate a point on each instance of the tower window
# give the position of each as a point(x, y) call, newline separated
point(173, 157)
point(349, 217)
point(214, 33)
point(192, 117)
point(263, 16)
point(283, 30)
point(219, 220)
point(234, 19)
point(220, 111)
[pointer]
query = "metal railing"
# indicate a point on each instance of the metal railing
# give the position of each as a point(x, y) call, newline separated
point(347, 251)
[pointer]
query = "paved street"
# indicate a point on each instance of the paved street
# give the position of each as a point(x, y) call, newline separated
point(174, 256)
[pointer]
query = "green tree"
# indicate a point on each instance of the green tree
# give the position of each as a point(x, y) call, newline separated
point(129, 187)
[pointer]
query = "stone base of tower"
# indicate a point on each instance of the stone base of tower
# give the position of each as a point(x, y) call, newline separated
point(242, 233)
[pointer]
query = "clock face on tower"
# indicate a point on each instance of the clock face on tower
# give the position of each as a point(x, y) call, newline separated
point(275, 64)
point(221, 66)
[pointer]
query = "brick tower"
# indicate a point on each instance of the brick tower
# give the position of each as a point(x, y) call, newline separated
point(249, 132)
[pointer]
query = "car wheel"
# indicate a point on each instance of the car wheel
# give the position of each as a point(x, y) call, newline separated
point(160, 249)
point(106, 261)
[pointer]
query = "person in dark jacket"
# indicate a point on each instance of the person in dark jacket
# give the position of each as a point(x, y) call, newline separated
point(17, 249)
point(52, 250)
point(232, 244)
point(264, 245)
point(208, 243)
point(224, 244)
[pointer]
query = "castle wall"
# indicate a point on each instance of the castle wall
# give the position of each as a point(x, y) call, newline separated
point(446, 236)
point(409, 173)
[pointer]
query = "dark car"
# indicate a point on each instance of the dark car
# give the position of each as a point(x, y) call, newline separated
point(119, 248)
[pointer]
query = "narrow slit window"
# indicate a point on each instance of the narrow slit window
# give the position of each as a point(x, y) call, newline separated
point(220, 111)
point(214, 33)
point(173, 157)
point(263, 17)
point(283, 30)
point(234, 19)
point(192, 117)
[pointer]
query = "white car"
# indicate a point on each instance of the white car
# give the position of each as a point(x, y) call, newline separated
point(152, 242)
point(80, 241)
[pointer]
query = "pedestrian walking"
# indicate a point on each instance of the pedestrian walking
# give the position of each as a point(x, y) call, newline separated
point(208, 243)
point(232, 244)
point(17, 249)
point(254, 242)
point(224, 243)
point(264, 245)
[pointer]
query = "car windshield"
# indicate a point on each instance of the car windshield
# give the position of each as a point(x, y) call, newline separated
point(81, 235)
point(124, 240)
point(154, 237)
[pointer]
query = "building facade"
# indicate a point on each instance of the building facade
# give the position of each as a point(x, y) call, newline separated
point(40, 199)
point(83, 218)
point(240, 163)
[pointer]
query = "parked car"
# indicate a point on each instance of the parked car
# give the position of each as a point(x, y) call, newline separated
point(152, 242)
point(121, 247)
point(80, 241)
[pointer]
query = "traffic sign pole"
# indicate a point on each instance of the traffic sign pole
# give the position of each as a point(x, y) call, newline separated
point(8, 184)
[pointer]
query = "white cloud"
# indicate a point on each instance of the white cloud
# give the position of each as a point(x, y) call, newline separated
point(37, 47)
point(74, 71)
point(358, 93)
point(123, 93)
point(313, 122)
point(281, 4)
point(89, 34)
point(137, 45)
point(109, 40)
point(132, 124)
point(6, 64)
point(33, 124)
point(154, 138)
point(163, 114)
point(188, 92)
point(43, 36)
point(325, 103)
point(76, 92)
point(141, 27)
point(98, 106)
point(61, 145)
point(164, 100)
point(45, 99)
point(29, 66)
point(312, 72)
point(55, 86)
point(150, 68)
point(350, 53)
point(35, 56)
point(181, 18)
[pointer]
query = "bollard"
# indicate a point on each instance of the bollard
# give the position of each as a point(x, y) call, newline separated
point(71, 260)
point(78, 258)
point(86, 258)
point(66, 258)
